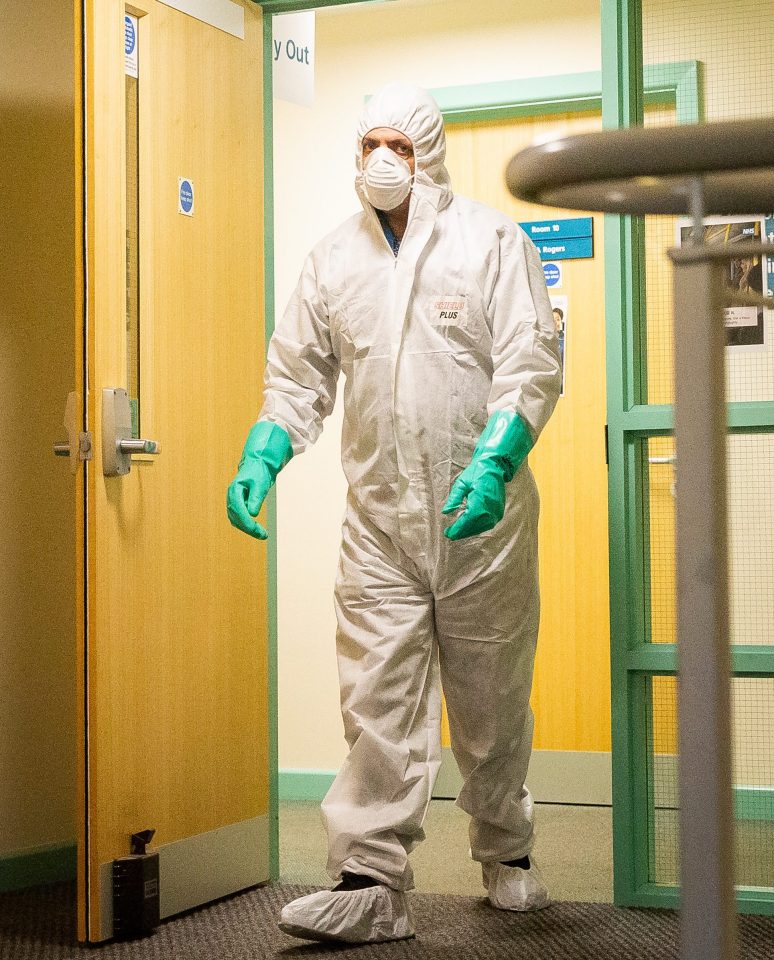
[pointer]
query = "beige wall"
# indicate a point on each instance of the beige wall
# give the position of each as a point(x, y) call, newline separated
point(37, 644)
point(434, 43)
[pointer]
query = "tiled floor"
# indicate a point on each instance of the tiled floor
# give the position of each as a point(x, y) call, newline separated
point(574, 850)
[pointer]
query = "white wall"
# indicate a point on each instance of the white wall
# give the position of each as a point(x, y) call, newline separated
point(435, 43)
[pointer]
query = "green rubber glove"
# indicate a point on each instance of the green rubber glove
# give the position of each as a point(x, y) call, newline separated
point(499, 453)
point(266, 452)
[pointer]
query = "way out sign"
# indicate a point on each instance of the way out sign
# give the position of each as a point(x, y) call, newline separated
point(293, 54)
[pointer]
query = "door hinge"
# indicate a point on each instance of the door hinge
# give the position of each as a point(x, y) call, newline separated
point(607, 448)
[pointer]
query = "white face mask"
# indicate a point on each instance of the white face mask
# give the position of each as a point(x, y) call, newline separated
point(387, 179)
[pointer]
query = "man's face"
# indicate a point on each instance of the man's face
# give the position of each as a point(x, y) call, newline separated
point(387, 137)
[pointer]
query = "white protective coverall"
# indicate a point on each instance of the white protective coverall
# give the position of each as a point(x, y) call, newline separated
point(431, 342)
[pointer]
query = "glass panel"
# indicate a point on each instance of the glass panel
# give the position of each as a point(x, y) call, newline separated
point(664, 866)
point(750, 531)
point(753, 745)
point(660, 234)
point(733, 43)
point(661, 488)
point(751, 537)
point(133, 252)
point(753, 766)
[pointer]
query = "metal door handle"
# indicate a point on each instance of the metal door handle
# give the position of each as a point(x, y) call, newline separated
point(139, 446)
point(118, 445)
point(671, 459)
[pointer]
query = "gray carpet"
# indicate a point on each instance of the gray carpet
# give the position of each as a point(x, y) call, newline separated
point(38, 924)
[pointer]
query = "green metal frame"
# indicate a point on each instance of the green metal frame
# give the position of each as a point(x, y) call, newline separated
point(631, 421)
point(672, 83)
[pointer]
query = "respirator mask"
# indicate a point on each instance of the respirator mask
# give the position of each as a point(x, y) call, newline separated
point(387, 178)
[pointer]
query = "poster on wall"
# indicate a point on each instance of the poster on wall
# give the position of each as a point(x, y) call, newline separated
point(745, 325)
point(559, 307)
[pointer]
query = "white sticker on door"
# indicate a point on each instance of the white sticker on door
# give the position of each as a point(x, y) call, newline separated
point(130, 46)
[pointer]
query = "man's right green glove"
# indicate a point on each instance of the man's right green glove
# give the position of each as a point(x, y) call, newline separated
point(266, 452)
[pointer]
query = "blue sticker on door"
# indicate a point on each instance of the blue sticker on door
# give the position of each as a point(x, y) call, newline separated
point(185, 196)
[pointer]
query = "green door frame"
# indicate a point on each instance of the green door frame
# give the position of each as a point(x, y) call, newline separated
point(631, 421)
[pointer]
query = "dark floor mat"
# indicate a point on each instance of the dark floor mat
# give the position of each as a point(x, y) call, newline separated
point(39, 924)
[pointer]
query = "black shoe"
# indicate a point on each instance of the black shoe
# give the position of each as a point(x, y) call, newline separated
point(523, 863)
point(354, 881)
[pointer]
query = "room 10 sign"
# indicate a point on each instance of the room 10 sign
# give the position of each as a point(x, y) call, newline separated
point(569, 239)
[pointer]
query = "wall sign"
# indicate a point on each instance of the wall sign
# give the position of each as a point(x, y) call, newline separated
point(185, 196)
point(293, 55)
point(567, 239)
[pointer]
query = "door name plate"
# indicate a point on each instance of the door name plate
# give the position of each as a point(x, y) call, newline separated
point(567, 239)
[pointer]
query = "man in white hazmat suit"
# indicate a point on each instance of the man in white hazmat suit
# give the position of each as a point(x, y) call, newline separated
point(435, 309)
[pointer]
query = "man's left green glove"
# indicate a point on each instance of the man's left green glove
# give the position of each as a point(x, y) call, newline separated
point(499, 453)
point(266, 452)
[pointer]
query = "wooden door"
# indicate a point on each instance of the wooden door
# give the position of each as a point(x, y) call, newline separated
point(571, 693)
point(173, 602)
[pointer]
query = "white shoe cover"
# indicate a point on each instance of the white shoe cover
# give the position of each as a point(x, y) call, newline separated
point(372, 915)
point(511, 888)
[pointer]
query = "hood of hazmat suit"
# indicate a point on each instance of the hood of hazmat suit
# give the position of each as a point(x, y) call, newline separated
point(427, 354)
point(415, 114)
